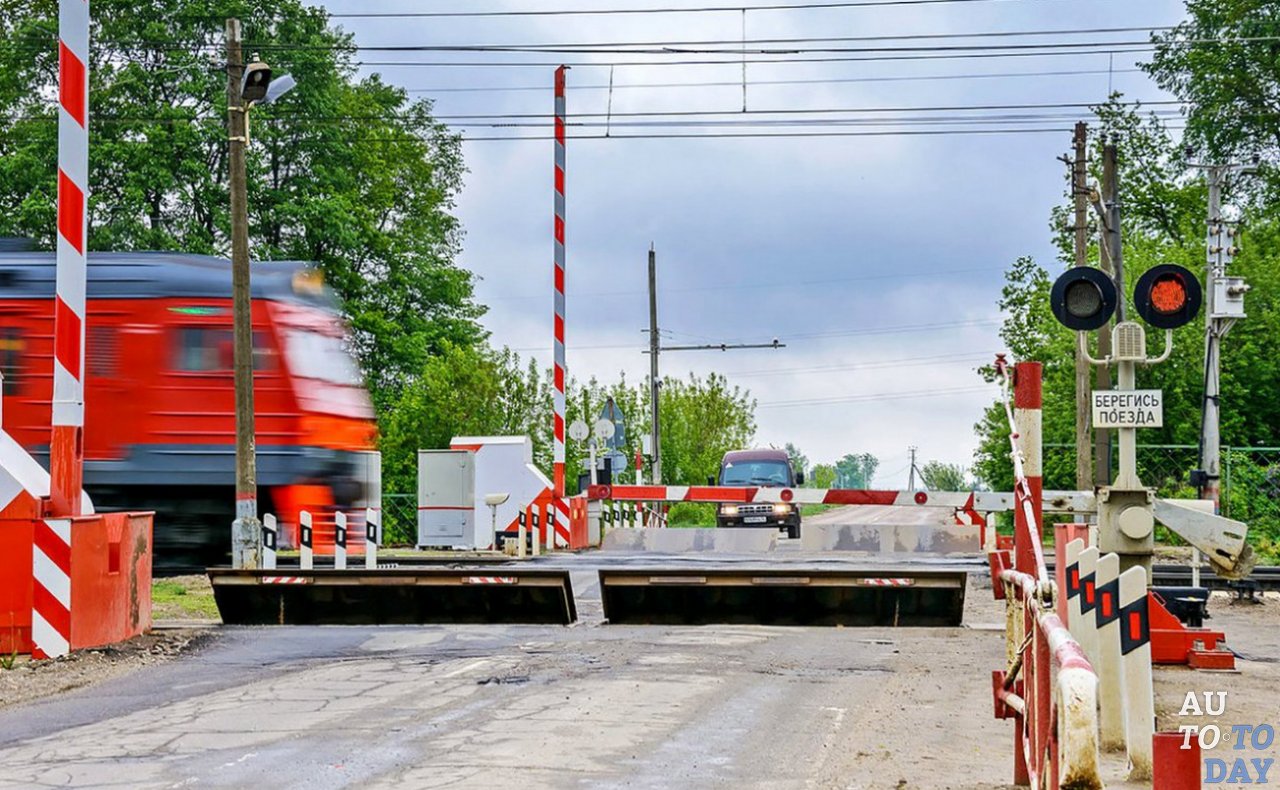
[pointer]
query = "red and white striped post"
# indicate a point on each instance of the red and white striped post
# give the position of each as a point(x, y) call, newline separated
point(51, 544)
point(558, 346)
point(66, 449)
point(1027, 419)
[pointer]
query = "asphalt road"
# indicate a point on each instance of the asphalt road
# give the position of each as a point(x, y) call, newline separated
point(591, 705)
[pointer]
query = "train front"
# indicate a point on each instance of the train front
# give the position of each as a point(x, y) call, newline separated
point(323, 461)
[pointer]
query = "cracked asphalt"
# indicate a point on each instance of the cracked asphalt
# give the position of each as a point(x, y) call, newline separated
point(591, 705)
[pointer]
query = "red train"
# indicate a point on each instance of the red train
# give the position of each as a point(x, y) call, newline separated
point(159, 419)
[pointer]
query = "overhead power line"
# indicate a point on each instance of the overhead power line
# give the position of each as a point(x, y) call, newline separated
point(757, 83)
point(882, 396)
point(664, 10)
point(669, 45)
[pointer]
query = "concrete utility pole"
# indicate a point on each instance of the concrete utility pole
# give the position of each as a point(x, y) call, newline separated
point(911, 475)
point(655, 384)
point(245, 543)
point(1084, 371)
point(1223, 307)
point(1108, 242)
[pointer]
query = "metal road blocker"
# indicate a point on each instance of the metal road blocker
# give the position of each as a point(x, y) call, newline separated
point(783, 596)
point(393, 596)
point(811, 590)
point(69, 578)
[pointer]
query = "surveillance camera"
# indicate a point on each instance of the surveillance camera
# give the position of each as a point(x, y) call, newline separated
point(1257, 159)
point(254, 84)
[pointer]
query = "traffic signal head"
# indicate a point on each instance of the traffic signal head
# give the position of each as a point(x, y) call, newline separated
point(1167, 296)
point(1083, 298)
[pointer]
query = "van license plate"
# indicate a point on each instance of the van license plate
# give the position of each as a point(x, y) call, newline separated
point(754, 520)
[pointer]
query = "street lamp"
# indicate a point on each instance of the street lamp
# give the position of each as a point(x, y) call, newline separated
point(246, 86)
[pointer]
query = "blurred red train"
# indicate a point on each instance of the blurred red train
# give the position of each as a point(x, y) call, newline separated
point(159, 419)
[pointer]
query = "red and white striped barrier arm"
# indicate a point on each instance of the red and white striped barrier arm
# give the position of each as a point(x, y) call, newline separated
point(962, 502)
point(66, 447)
point(559, 371)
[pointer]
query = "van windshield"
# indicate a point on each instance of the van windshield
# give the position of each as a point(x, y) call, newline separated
point(758, 473)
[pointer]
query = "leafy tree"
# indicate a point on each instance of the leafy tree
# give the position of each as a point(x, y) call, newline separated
point(344, 171)
point(464, 391)
point(938, 476)
point(856, 471)
point(1222, 60)
point(824, 476)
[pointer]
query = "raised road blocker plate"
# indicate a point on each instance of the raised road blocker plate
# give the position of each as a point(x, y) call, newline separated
point(882, 597)
point(393, 596)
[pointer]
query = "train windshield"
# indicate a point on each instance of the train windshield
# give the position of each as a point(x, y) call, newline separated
point(322, 357)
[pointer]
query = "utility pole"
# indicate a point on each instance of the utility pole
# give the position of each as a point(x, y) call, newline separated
point(656, 348)
point(654, 384)
point(1084, 371)
point(245, 540)
point(1224, 305)
point(911, 475)
point(1108, 246)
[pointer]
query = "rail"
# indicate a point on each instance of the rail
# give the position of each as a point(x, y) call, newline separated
point(1048, 686)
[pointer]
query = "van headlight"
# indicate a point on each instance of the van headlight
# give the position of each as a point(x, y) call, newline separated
point(728, 510)
point(781, 508)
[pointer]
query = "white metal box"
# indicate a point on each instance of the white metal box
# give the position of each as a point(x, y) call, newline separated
point(446, 498)
point(1228, 297)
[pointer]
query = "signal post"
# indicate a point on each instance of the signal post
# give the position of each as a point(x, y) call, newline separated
point(1084, 299)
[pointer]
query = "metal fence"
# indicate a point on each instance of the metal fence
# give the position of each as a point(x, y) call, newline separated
point(400, 519)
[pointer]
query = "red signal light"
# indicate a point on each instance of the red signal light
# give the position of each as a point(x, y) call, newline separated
point(1168, 294)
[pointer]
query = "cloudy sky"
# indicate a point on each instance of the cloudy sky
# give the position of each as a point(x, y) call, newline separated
point(876, 258)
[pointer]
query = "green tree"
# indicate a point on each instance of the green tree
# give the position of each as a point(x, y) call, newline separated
point(1223, 61)
point(939, 476)
point(464, 391)
point(856, 470)
point(824, 476)
point(344, 171)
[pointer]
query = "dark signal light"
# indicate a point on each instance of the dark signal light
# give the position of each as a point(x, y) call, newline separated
point(1083, 299)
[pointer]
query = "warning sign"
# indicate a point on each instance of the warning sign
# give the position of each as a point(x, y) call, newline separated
point(1128, 409)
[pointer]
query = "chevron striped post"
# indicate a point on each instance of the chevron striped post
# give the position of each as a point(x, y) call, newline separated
point(51, 550)
point(66, 449)
point(51, 593)
point(558, 343)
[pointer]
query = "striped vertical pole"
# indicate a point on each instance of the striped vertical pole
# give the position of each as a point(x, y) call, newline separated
point(269, 536)
point(304, 538)
point(66, 448)
point(340, 541)
point(558, 347)
point(372, 523)
point(1027, 378)
point(51, 592)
